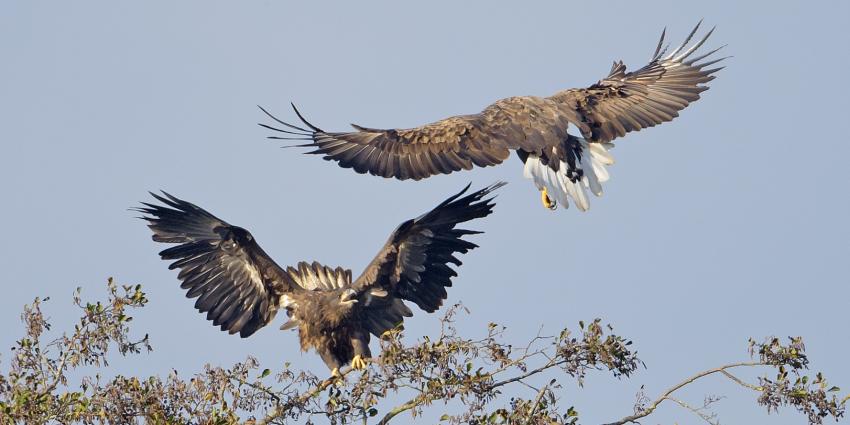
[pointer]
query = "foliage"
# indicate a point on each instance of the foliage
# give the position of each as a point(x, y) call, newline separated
point(477, 380)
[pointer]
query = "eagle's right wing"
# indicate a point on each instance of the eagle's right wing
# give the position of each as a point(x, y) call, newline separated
point(414, 263)
point(237, 284)
point(442, 147)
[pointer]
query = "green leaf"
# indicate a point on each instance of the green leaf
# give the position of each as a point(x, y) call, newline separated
point(266, 372)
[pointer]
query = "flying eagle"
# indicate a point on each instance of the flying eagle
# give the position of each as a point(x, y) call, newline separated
point(562, 165)
point(241, 288)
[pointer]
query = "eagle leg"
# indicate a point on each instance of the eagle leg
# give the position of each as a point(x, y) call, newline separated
point(547, 201)
point(359, 362)
point(335, 373)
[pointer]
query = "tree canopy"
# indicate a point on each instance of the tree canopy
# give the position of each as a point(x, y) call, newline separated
point(462, 379)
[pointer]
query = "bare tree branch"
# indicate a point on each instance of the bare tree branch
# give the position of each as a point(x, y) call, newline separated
point(666, 394)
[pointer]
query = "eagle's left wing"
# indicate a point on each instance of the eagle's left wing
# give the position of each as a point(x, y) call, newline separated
point(630, 101)
point(414, 263)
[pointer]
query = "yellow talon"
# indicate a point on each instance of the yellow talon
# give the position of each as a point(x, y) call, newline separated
point(547, 202)
point(335, 373)
point(358, 362)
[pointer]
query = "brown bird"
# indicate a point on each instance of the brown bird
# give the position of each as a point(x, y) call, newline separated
point(562, 165)
point(241, 288)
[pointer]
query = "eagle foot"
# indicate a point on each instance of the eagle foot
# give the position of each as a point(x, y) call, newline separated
point(547, 201)
point(359, 363)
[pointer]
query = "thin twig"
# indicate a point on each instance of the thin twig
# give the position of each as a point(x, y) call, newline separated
point(303, 398)
point(536, 403)
point(666, 395)
point(410, 404)
point(255, 386)
point(693, 409)
point(740, 381)
point(546, 366)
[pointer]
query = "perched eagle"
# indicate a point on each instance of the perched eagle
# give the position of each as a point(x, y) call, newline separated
point(241, 288)
point(562, 165)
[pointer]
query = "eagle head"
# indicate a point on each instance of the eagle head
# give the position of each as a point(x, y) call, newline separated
point(336, 307)
point(320, 311)
point(348, 297)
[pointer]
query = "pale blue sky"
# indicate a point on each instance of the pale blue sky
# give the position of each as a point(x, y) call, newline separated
point(727, 223)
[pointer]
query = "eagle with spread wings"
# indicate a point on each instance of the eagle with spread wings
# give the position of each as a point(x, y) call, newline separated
point(241, 289)
point(562, 165)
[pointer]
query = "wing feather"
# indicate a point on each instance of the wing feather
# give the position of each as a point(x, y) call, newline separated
point(234, 280)
point(442, 147)
point(630, 101)
point(413, 264)
point(314, 276)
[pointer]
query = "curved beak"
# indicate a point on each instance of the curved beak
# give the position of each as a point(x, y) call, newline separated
point(348, 296)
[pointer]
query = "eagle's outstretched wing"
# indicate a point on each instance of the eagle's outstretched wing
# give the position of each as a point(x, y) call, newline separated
point(237, 284)
point(442, 147)
point(414, 263)
point(630, 101)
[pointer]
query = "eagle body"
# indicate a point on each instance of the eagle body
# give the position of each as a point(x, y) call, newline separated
point(334, 330)
point(241, 289)
point(563, 140)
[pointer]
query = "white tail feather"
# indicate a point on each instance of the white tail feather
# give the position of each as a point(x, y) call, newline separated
point(594, 160)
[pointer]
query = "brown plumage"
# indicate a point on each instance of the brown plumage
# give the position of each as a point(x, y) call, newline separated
point(535, 127)
point(241, 289)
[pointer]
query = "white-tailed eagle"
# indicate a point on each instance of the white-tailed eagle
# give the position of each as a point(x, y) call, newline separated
point(241, 289)
point(562, 165)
